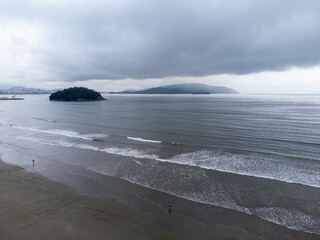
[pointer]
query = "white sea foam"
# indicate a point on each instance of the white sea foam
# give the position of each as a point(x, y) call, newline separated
point(127, 152)
point(4, 123)
point(251, 165)
point(138, 162)
point(143, 140)
point(65, 133)
point(291, 219)
point(248, 165)
point(151, 141)
point(95, 135)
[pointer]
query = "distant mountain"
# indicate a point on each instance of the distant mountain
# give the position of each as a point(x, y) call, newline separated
point(23, 90)
point(191, 88)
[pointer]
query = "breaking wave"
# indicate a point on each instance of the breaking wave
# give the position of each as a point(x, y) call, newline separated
point(151, 141)
point(143, 140)
point(127, 152)
point(254, 165)
point(65, 133)
point(223, 196)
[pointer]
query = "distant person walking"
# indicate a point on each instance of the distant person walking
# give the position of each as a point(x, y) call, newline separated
point(170, 208)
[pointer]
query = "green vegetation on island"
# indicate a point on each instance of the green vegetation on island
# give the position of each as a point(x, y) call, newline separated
point(76, 94)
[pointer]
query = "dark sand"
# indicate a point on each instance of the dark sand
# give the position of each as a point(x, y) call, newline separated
point(33, 207)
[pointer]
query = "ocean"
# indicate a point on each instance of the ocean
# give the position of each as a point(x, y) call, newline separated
point(258, 155)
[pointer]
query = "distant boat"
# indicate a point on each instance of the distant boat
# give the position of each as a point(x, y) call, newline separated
point(11, 98)
point(196, 93)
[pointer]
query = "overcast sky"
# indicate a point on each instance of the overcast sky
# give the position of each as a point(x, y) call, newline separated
point(253, 46)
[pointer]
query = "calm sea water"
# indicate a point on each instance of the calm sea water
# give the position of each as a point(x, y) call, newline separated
point(255, 154)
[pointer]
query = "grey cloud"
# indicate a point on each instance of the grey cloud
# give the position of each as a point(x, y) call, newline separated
point(154, 39)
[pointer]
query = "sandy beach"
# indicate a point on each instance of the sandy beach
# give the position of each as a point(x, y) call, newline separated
point(33, 207)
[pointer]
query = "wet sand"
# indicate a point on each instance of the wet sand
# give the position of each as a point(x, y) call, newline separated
point(34, 207)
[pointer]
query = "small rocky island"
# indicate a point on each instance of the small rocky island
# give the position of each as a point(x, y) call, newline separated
point(76, 94)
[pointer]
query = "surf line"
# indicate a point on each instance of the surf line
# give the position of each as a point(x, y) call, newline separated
point(151, 141)
point(143, 140)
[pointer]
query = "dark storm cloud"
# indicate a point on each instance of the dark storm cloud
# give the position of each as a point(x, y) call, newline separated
point(118, 39)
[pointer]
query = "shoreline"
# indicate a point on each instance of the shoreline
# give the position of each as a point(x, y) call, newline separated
point(8, 99)
point(34, 207)
point(189, 220)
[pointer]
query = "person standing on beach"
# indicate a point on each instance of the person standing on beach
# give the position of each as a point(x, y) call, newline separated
point(170, 208)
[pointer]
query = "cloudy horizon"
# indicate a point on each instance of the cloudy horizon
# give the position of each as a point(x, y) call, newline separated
point(250, 46)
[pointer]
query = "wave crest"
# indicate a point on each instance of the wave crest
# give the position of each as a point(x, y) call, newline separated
point(143, 140)
point(65, 133)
